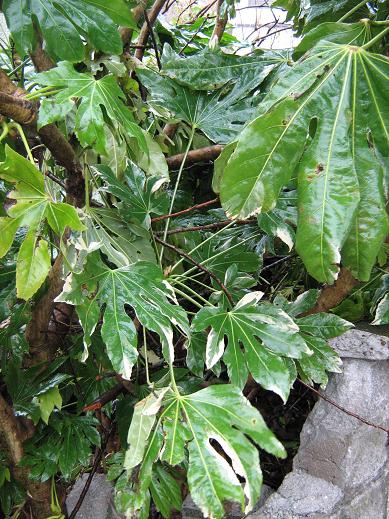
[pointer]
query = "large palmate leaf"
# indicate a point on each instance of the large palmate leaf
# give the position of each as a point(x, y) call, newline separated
point(266, 333)
point(190, 423)
point(324, 122)
point(217, 255)
point(210, 69)
point(140, 195)
point(32, 208)
point(93, 95)
point(219, 117)
point(63, 25)
point(141, 286)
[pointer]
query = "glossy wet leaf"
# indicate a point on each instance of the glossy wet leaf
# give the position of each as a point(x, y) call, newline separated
point(210, 69)
point(93, 95)
point(64, 24)
point(218, 255)
point(190, 422)
point(335, 158)
point(314, 367)
point(141, 196)
point(141, 286)
point(382, 311)
point(32, 208)
point(123, 242)
point(323, 325)
point(265, 332)
point(220, 118)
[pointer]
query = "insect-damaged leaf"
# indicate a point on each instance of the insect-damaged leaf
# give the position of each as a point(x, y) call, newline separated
point(324, 122)
point(194, 423)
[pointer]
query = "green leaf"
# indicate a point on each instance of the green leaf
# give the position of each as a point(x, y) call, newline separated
point(141, 286)
point(94, 95)
point(219, 413)
point(210, 69)
point(335, 158)
point(165, 491)
point(303, 303)
point(48, 401)
point(264, 331)
point(139, 194)
point(218, 255)
point(324, 359)
point(141, 426)
point(63, 25)
point(123, 243)
point(220, 118)
point(273, 225)
point(382, 311)
point(32, 206)
point(348, 33)
point(118, 10)
point(18, 18)
point(323, 325)
point(32, 266)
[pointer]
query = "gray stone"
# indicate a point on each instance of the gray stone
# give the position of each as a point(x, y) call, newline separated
point(360, 344)
point(337, 447)
point(300, 495)
point(98, 502)
point(341, 470)
point(191, 511)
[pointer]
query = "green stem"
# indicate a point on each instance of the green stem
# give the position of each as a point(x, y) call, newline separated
point(86, 176)
point(185, 296)
point(47, 91)
point(176, 188)
point(375, 39)
point(24, 140)
point(5, 132)
point(193, 292)
point(173, 380)
point(352, 11)
point(194, 280)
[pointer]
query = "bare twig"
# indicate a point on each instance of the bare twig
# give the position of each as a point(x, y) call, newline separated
point(55, 179)
point(103, 399)
point(182, 253)
point(145, 32)
point(207, 227)
point(221, 22)
point(208, 153)
point(184, 211)
point(343, 409)
point(152, 35)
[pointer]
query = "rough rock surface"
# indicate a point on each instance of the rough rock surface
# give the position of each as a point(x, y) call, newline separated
point(98, 502)
point(360, 344)
point(341, 470)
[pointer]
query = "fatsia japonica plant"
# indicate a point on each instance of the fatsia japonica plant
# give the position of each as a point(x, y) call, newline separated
point(186, 220)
